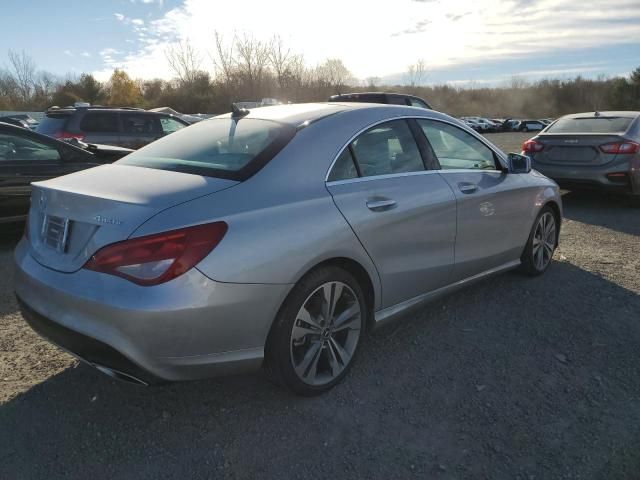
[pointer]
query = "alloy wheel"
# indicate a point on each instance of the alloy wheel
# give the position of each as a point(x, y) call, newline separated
point(544, 241)
point(325, 333)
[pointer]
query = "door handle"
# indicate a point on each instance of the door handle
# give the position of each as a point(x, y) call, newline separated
point(467, 187)
point(381, 205)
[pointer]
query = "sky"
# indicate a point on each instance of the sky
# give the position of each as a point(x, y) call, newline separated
point(462, 42)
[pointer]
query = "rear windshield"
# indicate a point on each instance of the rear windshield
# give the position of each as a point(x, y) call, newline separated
point(52, 124)
point(220, 147)
point(591, 125)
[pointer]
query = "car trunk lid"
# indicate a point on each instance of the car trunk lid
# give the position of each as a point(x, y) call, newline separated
point(575, 149)
point(71, 217)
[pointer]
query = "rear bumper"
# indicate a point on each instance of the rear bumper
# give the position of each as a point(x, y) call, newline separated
point(189, 328)
point(593, 177)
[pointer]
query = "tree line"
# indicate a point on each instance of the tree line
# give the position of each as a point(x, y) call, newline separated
point(247, 69)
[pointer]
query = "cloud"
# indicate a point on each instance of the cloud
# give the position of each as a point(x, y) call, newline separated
point(85, 54)
point(419, 27)
point(68, 53)
point(463, 32)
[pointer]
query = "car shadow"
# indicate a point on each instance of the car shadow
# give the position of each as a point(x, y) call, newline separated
point(603, 209)
point(512, 377)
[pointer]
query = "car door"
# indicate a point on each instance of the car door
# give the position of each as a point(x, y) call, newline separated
point(490, 201)
point(403, 214)
point(139, 129)
point(24, 158)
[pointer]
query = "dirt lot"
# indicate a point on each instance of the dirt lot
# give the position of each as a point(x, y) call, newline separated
point(513, 378)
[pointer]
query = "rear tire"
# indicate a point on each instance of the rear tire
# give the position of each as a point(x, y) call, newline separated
point(316, 335)
point(542, 243)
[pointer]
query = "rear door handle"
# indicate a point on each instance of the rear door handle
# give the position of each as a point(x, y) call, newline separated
point(381, 205)
point(467, 187)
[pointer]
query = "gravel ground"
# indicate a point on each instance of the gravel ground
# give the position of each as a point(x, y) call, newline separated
point(513, 378)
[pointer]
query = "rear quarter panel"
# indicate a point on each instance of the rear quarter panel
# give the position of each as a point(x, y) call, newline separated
point(282, 221)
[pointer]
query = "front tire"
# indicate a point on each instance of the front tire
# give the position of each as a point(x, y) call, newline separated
point(317, 332)
point(542, 243)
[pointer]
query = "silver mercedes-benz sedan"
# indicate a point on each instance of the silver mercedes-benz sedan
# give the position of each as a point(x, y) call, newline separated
point(274, 237)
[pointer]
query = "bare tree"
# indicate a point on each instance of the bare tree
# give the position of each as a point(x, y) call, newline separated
point(333, 73)
point(223, 58)
point(372, 82)
point(23, 69)
point(280, 58)
point(184, 60)
point(417, 73)
point(252, 61)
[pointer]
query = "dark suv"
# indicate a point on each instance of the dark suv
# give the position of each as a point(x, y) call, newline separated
point(381, 97)
point(123, 127)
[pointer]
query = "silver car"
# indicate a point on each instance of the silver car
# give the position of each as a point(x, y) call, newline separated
point(274, 237)
point(594, 149)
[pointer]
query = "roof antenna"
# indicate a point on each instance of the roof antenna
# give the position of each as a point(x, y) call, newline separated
point(237, 112)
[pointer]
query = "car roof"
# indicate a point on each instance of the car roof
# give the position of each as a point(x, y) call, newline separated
point(612, 113)
point(302, 114)
point(98, 108)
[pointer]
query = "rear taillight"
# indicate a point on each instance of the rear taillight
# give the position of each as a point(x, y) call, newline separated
point(158, 258)
point(62, 135)
point(620, 148)
point(532, 146)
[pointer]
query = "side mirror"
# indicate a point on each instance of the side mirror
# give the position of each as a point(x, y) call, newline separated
point(519, 163)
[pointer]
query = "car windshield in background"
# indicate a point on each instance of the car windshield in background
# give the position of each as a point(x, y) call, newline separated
point(220, 147)
point(591, 125)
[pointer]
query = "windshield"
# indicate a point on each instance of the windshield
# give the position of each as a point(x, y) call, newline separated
point(220, 147)
point(591, 125)
point(52, 124)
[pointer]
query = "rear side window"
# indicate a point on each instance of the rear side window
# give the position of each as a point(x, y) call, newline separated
point(220, 147)
point(136, 123)
point(52, 124)
point(396, 100)
point(418, 103)
point(100, 122)
point(387, 148)
point(344, 168)
point(591, 125)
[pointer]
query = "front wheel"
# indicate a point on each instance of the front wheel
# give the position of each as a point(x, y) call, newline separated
point(541, 244)
point(316, 335)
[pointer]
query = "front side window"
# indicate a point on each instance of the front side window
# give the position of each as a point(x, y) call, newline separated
point(14, 148)
point(133, 123)
point(170, 125)
point(456, 148)
point(100, 122)
point(220, 147)
point(387, 148)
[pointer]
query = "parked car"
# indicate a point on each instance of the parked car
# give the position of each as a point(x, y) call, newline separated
point(15, 121)
point(511, 125)
point(381, 97)
point(125, 127)
point(472, 124)
point(27, 156)
point(594, 149)
point(484, 125)
point(25, 117)
point(531, 125)
point(274, 236)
